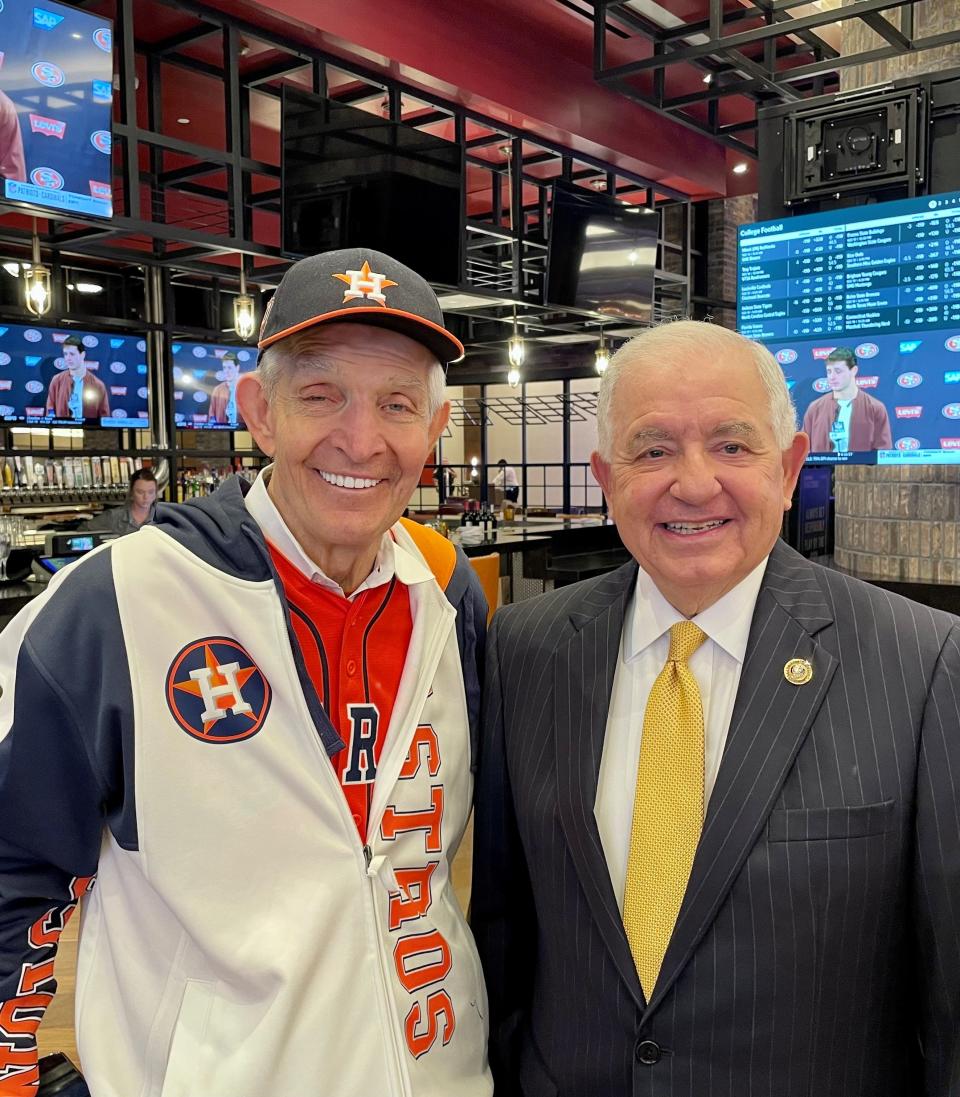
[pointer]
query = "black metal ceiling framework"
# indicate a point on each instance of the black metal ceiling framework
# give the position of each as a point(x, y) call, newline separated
point(181, 215)
point(793, 62)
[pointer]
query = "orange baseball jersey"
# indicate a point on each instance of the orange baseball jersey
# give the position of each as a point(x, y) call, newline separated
point(355, 652)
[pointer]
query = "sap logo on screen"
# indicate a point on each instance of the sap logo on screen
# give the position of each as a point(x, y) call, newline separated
point(909, 380)
point(103, 39)
point(908, 346)
point(790, 384)
point(48, 74)
point(868, 382)
point(49, 127)
point(908, 443)
point(950, 443)
point(867, 350)
point(116, 344)
point(46, 20)
point(142, 368)
point(953, 343)
point(951, 411)
point(818, 352)
point(914, 411)
point(101, 141)
point(32, 360)
point(821, 385)
point(118, 390)
point(34, 386)
point(32, 335)
point(199, 374)
point(47, 177)
point(100, 190)
point(102, 91)
point(951, 377)
point(785, 357)
point(176, 348)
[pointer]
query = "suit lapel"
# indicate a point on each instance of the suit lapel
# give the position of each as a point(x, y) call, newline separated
point(771, 718)
point(584, 670)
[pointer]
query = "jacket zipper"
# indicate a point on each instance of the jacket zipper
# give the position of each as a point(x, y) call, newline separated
point(394, 1025)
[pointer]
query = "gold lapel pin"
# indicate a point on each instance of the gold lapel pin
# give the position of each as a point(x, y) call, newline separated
point(798, 671)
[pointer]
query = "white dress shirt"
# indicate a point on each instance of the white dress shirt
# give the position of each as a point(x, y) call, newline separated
point(264, 512)
point(644, 647)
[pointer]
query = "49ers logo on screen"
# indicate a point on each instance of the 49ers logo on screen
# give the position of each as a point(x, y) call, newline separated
point(216, 692)
point(422, 957)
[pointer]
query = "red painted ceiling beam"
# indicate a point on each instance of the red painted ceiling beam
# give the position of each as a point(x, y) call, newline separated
point(527, 63)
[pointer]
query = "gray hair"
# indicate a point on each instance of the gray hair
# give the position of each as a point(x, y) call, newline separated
point(679, 336)
point(304, 349)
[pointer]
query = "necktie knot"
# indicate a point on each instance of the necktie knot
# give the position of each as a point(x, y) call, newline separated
point(685, 638)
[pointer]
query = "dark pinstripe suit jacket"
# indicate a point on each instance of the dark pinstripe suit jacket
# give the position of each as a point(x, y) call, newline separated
point(817, 952)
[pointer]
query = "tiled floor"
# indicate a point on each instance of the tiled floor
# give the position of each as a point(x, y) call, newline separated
point(56, 1032)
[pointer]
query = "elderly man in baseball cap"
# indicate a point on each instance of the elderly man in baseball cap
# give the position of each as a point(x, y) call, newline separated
point(264, 755)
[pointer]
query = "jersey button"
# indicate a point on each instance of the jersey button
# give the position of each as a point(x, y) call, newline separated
point(351, 667)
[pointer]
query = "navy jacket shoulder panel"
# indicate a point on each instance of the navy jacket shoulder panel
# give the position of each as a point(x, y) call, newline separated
point(219, 530)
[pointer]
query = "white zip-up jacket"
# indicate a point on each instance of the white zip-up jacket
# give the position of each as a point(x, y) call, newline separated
point(159, 732)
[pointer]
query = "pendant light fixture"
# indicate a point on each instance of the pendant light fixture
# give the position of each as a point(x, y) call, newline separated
point(244, 310)
point(37, 295)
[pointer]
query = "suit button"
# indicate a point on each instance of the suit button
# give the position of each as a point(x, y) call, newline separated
point(648, 1052)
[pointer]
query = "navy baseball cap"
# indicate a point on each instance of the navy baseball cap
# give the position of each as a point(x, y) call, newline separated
point(361, 286)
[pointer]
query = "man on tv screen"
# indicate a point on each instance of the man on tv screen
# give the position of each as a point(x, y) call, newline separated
point(846, 419)
point(12, 165)
point(76, 393)
point(223, 399)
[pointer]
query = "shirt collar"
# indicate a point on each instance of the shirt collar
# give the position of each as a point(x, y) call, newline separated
point(726, 622)
point(396, 555)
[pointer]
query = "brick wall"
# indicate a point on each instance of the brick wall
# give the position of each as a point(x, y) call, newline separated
point(724, 215)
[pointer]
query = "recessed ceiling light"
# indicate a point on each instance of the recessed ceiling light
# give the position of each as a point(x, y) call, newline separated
point(740, 169)
point(89, 287)
point(708, 78)
point(184, 121)
point(75, 35)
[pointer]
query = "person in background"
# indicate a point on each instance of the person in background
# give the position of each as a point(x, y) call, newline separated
point(12, 165)
point(76, 393)
point(506, 481)
point(140, 507)
point(446, 480)
point(223, 399)
point(717, 837)
point(846, 419)
point(262, 752)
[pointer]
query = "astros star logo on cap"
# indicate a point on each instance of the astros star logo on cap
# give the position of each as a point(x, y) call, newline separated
point(365, 283)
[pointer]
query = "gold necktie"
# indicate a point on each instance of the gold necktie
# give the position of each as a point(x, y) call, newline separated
point(667, 807)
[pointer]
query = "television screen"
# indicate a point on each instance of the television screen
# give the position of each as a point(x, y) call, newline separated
point(861, 307)
point(56, 90)
point(602, 255)
point(354, 179)
point(205, 385)
point(66, 377)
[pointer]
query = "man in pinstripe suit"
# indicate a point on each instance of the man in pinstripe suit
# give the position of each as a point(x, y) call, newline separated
point(816, 949)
